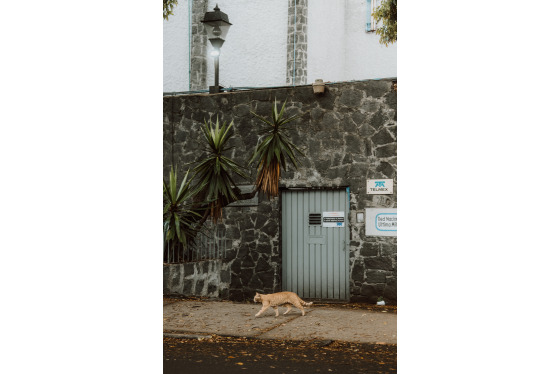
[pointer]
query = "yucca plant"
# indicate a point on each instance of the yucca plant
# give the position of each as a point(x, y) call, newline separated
point(273, 151)
point(215, 171)
point(179, 216)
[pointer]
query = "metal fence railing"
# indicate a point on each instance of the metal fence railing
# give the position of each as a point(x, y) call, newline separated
point(210, 245)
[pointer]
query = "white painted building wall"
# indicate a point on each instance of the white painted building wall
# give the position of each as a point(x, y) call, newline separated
point(366, 58)
point(339, 48)
point(326, 45)
point(254, 54)
point(176, 49)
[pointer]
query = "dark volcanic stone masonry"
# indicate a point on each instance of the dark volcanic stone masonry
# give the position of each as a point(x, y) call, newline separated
point(348, 134)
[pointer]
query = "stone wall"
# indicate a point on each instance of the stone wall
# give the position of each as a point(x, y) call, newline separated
point(348, 135)
point(199, 58)
point(204, 278)
point(296, 69)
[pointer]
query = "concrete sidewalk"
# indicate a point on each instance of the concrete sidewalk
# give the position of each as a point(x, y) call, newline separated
point(226, 318)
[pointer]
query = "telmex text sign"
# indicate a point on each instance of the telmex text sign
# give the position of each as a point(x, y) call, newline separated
point(381, 222)
point(380, 186)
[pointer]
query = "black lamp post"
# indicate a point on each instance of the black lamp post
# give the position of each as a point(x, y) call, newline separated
point(217, 26)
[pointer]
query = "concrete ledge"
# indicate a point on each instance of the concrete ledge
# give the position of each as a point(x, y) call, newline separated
point(186, 336)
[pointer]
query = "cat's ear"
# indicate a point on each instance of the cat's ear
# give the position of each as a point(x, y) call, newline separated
point(257, 294)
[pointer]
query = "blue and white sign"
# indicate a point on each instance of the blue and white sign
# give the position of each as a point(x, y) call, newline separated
point(333, 219)
point(379, 186)
point(381, 222)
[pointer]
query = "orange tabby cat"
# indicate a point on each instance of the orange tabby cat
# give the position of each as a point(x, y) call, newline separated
point(280, 299)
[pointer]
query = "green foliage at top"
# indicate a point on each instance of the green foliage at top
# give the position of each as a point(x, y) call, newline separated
point(387, 14)
point(215, 171)
point(273, 151)
point(168, 8)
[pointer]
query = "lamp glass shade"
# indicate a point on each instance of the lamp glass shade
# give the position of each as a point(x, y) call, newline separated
point(217, 26)
point(216, 30)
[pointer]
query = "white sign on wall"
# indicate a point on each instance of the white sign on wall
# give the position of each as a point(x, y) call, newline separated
point(381, 222)
point(380, 186)
point(333, 219)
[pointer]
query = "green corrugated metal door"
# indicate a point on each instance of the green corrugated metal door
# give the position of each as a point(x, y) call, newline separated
point(315, 233)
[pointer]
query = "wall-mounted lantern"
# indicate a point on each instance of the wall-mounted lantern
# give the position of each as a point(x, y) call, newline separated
point(318, 87)
point(217, 25)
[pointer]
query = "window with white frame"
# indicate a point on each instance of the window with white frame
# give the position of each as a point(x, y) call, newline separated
point(371, 5)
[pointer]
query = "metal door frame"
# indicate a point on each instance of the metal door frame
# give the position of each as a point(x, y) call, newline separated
point(347, 232)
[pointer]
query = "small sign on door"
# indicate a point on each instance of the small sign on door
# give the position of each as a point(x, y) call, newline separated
point(333, 219)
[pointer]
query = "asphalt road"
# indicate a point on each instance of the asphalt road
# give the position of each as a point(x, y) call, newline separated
point(245, 355)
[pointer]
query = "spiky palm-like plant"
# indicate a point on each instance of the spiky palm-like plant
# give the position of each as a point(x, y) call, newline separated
point(179, 216)
point(215, 171)
point(273, 151)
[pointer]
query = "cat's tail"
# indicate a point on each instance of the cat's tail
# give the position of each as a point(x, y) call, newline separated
point(305, 303)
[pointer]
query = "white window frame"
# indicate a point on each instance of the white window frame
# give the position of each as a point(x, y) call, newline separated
point(371, 25)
